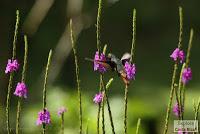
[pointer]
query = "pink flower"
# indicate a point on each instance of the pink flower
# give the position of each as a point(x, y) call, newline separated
point(97, 66)
point(98, 98)
point(61, 111)
point(176, 110)
point(12, 66)
point(187, 75)
point(178, 54)
point(21, 90)
point(43, 117)
point(130, 70)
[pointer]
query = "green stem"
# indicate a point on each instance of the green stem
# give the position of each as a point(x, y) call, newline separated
point(12, 74)
point(170, 98)
point(77, 77)
point(134, 36)
point(98, 25)
point(138, 125)
point(108, 106)
point(98, 117)
point(23, 80)
point(44, 87)
point(125, 109)
point(62, 123)
point(103, 119)
point(174, 72)
point(180, 27)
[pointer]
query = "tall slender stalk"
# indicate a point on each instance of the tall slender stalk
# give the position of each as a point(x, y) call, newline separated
point(62, 123)
point(77, 77)
point(45, 86)
point(186, 65)
point(98, 25)
point(138, 125)
point(103, 119)
point(125, 109)
point(131, 60)
point(103, 101)
point(108, 104)
point(98, 117)
point(196, 110)
point(12, 74)
point(23, 80)
point(174, 73)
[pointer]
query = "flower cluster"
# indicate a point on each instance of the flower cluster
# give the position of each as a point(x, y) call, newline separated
point(176, 110)
point(43, 117)
point(21, 90)
point(61, 111)
point(98, 58)
point(98, 98)
point(187, 75)
point(12, 66)
point(130, 70)
point(178, 54)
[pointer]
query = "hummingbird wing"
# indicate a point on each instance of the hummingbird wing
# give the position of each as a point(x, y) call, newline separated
point(107, 64)
point(125, 57)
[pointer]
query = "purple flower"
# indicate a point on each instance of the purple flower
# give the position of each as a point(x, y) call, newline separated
point(61, 111)
point(130, 70)
point(187, 75)
point(98, 98)
point(176, 109)
point(12, 66)
point(98, 66)
point(21, 90)
point(178, 55)
point(43, 117)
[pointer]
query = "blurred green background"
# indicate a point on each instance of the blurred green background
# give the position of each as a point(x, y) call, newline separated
point(46, 24)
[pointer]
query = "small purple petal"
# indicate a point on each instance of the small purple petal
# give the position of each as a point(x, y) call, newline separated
point(187, 75)
point(97, 66)
point(98, 98)
point(21, 90)
point(43, 117)
point(130, 70)
point(12, 66)
point(176, 110)
point(178, 54)
point(61, 111)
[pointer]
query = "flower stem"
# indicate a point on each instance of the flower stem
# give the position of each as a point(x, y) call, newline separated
point(98, 117)
point(125, 109)
point(98, 25)
point(174, 72)
point(187, 64)
point(62, 123)
point(77, 77)
point(170, 98)
point(12, 74)
point(103, 119)
point(23, 80)
point(138, 125)
point(134, 36)
point(44, 87)
point(108, 106)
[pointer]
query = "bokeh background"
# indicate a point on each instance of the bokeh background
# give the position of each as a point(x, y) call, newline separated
point(46, 24)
